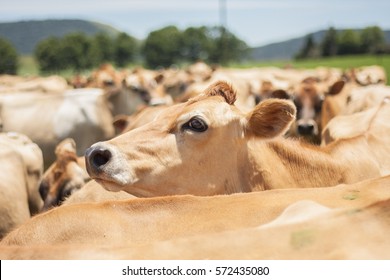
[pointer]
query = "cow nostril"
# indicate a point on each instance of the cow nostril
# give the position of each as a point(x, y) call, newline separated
point(305, 129)
point(99, 157)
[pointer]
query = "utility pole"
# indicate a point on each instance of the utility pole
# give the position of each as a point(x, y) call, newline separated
point(224, 48)
point(222, 13)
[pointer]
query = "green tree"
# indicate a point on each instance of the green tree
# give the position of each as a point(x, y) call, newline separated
point(329, 43)
point(75, 48)
point(226, 47)
point(8, 58)
point(309, 48)
point(102, 49)
point(349, 42)
point(48, 55)
point(196, 44)
point(125, 49)
point(372, 40)
point(163, 47)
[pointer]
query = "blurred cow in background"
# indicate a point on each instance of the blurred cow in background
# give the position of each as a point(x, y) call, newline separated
point(21, 170)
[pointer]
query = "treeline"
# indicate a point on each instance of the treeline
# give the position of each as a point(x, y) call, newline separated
point(370, 40)
point(162, 48)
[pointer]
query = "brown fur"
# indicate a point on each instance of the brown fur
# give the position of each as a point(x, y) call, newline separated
point(222, 89)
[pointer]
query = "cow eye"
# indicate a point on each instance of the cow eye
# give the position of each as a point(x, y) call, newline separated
point(196, 124)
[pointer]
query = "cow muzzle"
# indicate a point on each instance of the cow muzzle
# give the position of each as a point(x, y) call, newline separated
point(108, 166)
point(96, 158)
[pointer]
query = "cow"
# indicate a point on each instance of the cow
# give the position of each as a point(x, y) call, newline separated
point(373, 123)
point(64, 176)
point(207, 146)
point(342, 108)
point(331, 234)
point(346, 221)
point(81, 114)
point(366, 75)
point(308, 97)
point(50, 85)
point(21, 169)
point(66, 181)
point(125, 90)
point(143, 221)
point(147, 85)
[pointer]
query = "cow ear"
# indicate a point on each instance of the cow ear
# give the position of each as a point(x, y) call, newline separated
point(159, 78)
point(280, 93)
point(67, 145)
point(271, 118)
point(223, 89)
point(120, 123)
point(336, 88)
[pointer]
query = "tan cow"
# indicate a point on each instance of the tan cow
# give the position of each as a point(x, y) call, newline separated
point(367, 75)
point(65, 176)
point(147, 220)
point(373, 123)
point(308, 97)
point(356, 234)
point(81, 114)
point(21, 169)
point(66, 181)
point(16, 84)
point(147, 84)
point(207, 146)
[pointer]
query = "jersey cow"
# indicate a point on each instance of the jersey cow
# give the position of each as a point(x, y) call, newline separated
point(21, 169)
point(206, 146)
point(142, 221)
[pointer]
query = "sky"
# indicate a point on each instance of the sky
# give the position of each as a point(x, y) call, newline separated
point(257, 22)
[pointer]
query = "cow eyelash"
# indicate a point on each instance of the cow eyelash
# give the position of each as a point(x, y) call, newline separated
point(195, 124)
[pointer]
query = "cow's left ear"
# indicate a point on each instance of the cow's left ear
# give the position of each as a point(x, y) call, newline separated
point(271, 118)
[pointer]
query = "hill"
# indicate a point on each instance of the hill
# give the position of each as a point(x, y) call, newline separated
point(24, 35)
point(286, 50)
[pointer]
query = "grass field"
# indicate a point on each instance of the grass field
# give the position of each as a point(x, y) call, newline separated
point(28, 66)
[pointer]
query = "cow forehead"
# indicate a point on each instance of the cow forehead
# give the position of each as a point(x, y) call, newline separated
point(213, 109)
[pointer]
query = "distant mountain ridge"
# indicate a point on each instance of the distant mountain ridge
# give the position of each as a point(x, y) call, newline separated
point(25, 35)
point(286, 50)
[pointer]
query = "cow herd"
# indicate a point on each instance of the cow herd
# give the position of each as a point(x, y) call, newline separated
point(196, 163)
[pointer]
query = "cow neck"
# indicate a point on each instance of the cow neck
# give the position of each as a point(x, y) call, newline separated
point(285, 163)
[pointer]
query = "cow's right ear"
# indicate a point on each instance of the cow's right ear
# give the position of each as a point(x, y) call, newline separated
point(270, 118)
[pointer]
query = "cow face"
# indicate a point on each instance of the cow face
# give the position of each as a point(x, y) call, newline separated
point(147, 85)
point(63, 177)
point(308, 99)
point(197, 147)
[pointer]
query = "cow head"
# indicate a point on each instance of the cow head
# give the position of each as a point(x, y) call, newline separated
point(63, 177)
point(308, 98)
point(196, 147)
point(147, 84)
